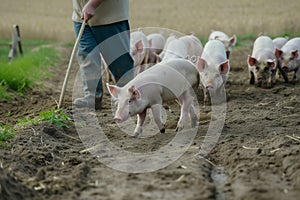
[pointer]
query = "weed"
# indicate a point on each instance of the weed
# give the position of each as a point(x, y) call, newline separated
point(55, 116)
point(6, 133)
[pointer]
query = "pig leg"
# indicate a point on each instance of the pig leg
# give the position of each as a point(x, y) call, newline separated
point(296, 75)
point(140, 122)
point(206, 96)
point(284, 75)
point(193, 116)
point(273, 74)
point(271, 79)
point(252, 78)
point(156, 111)
point(185, 101)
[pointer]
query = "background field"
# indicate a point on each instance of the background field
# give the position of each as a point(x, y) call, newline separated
point(40, 19)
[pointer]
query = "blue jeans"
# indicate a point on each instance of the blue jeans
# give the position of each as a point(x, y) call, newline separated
point(113, 42)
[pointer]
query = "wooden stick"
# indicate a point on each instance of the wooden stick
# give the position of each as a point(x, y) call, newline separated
point(293, 138)
point(104, 64)
point(62, 94)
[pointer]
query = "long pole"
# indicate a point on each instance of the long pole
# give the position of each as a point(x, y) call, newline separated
point(62, 94)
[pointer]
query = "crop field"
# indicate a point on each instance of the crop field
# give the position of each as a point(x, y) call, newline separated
point(43, 154)
point(52, 20)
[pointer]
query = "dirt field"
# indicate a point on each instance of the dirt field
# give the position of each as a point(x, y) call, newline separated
point(255, 157)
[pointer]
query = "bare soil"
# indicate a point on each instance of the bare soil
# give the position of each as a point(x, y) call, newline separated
point(257, 155)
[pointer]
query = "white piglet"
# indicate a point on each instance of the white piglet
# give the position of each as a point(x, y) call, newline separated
point(223, 37)
point(167, 80)
point(156, 42)
point(289, 59)
point(139, 49)
point(262, 63)
point(213, 67)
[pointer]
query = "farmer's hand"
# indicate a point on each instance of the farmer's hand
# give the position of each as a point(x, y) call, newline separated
point(88, 10)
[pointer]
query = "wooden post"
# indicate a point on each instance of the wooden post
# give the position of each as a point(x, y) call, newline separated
point(17, 29)
point(13, 47)
point(15, 44)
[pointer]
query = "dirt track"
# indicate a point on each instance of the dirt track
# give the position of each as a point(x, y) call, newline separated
point(255, 157)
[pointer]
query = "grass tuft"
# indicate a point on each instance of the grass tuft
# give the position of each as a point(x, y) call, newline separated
point(55, 116)
point(6, 134)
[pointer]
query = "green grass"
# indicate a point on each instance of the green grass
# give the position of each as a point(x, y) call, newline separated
point(23, 72)
point(3, 92)
point(6, 134)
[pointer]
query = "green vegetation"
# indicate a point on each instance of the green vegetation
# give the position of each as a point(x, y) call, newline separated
point(54, 116)
point(6, 133)
point(24, 72)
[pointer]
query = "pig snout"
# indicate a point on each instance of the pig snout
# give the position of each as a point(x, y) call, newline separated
point(209, 87)
point(260, 79)
point(118, 119)
point(285, 68)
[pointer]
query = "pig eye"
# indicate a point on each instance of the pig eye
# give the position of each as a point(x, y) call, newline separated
point(130, 100)
point(266, 69)
point(257, 68)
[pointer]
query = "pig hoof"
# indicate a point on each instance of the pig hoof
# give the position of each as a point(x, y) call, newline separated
point(179, 128)
point(163, 130)
point(136, 135)
point(194, 123)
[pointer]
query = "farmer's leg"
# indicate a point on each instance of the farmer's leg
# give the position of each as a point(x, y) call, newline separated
point(90, 68)
point(114, 41)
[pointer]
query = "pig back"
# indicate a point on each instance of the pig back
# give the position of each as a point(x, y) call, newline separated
point(264, 43)
point(279, 42)
point(168, 78)
point(218, 34)
point(293, 44)
point(214, 53)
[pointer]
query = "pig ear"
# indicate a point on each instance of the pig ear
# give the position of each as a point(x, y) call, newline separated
point(251, 61)
point(224, 67)
point(232, 40)
point(201, 64)
point(278, 53)
point(113, 90)
point(139, 46)
point(135, 92)
point(295, 53)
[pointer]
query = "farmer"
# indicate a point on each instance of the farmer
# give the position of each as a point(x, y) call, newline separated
point(107, 31)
